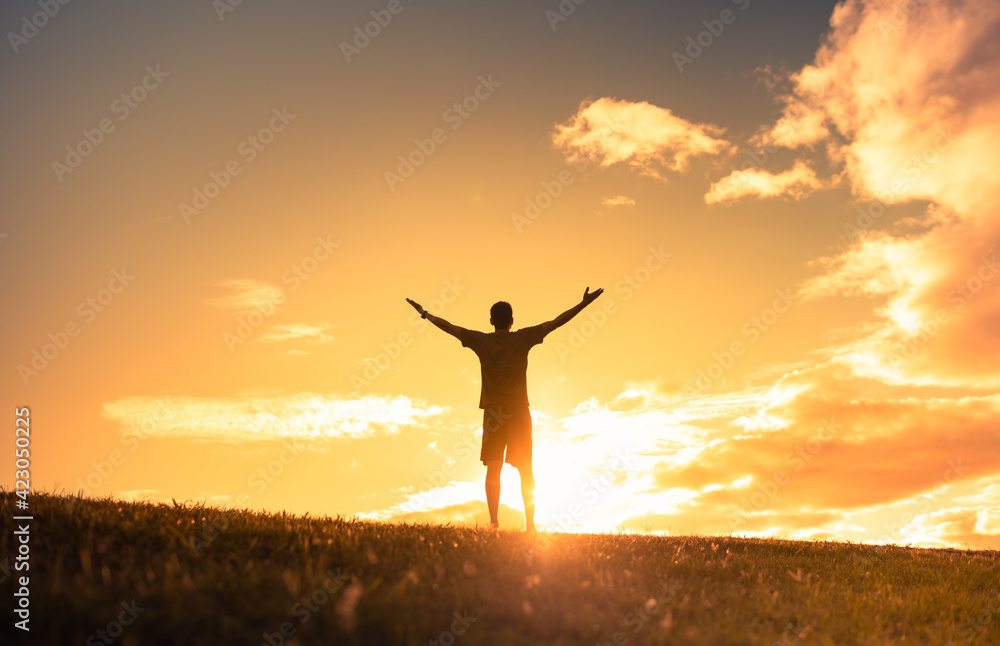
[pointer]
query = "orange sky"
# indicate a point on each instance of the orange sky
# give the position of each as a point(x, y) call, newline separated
point(213, 220)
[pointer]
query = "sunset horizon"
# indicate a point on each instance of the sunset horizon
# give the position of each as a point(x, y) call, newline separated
point(218, 213)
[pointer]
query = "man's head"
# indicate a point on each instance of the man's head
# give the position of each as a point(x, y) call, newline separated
point(501, 315)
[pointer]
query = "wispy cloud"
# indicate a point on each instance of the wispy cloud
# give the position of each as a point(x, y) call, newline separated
point(246, 295)
point(877, 265)
point(644, 136)
point(618, 200)
point(313, 333)
point(248, 418)
point(796, 182)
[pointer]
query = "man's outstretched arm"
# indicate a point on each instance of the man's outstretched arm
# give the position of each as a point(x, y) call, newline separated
point(453, 330)
point(588, 298)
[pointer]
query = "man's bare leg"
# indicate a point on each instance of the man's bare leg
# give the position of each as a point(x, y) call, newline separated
point(528, 493)
point(493, 489)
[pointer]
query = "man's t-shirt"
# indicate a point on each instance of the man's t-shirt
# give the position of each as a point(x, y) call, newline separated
point(503, 356)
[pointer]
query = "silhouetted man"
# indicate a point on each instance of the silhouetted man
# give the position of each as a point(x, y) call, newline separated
point(503, 357)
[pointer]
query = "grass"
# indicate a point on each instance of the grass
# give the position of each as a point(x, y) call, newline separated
point(202, 575)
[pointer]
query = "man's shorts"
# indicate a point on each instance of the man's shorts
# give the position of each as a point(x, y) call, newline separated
point(507, 426)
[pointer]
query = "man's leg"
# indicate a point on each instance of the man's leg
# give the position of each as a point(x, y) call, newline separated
point(528, 493)
point(493, 489)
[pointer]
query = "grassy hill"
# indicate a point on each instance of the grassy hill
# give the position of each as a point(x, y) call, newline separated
point(164, 574)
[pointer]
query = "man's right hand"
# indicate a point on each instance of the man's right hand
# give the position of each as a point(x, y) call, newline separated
point(416, 306)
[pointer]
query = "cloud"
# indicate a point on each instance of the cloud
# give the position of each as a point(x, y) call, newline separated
point(249, 418)
point(436, 498)
point(841, 449)
point(646, 137)
point(470, 512)
point(297, 331)
point(905, 102)
point(796, 182)
point(801, 124)
point(247, 296)
point(975, 519)
point(907, 99)
point(618, 200)
point(820, 453)
point(878, 265)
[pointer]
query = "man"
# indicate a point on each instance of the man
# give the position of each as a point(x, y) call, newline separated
point(503, 357)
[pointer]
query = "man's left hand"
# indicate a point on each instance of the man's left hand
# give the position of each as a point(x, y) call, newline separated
point(589, 296)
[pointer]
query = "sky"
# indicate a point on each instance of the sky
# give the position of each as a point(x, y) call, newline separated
point(215, 211)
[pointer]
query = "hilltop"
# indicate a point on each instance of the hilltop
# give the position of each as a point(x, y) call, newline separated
point(179, 573)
